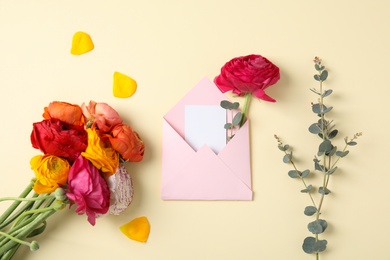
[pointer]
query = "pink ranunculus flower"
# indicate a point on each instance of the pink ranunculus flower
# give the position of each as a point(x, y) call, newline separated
point(102, 115)
point(87, 189)
point(248, 74)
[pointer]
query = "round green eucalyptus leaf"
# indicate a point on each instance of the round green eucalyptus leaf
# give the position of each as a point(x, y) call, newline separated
point(352, 143)
point(226, 104)
point(310, 210)
point(324, 75)
point(327, 93)
point(237, 119)
point(308, 189)
point(315, 227)
point(305, 173)
point(311, 245)
point(228, 125)
point(342, 154)
point(323, 191)
point(316, 108)
point(294, 174)
point(331, 171)
point(235, 105)
point(317, 77)
point(314, 129)
point(287, 158)
point(333, 134)
point(325, 146)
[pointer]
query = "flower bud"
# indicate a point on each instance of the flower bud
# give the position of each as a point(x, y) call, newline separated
point(58, 205)
point(34, 246)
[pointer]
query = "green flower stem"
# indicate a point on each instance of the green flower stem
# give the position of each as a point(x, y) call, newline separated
point(25, 199)
point(15, 204)
point(14, 239)
point(10, 253)
point(26, 230)
point(246, 108)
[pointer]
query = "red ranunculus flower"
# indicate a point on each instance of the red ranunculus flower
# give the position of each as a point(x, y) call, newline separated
point(58, 138)
point(248, 74)
point(87, 189)
point(127, 143)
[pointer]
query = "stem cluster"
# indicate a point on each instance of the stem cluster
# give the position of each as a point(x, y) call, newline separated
point(26, 218)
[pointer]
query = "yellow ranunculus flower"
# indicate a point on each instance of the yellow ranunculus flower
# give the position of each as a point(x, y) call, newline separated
point(100, 154)
point(50, 171)
point(138, 229)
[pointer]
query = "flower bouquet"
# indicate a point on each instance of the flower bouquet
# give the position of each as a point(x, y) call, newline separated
point(84, 149)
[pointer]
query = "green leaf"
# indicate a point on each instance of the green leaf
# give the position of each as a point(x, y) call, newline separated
point(237, 119)
point(294, 174)
point(323, 191)
point(332, 152)
point(352, 143)
point(305, 173)
point(333, 134)
point(308, 189)
point(38, 230)
point(310, 210)
point(312, 245)
point(315, 227)
point(287, 158)
point(331, 171)
point(226, 104)
point(323, 224)
point(314, 129)
point(228, 126)
point(327, 93)
point(317, 77)
point(342, 154)
point(283, 148)
point(235, 105)
point(317, 67)
point(318, 166)
point(325, 146)
point(326, 109)
point(316, 108)
point(324, 75)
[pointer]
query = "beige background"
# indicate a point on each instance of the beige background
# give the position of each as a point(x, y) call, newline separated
point(168, 46)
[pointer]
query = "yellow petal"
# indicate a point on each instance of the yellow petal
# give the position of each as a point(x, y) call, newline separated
point(138, 229)
point(123, 85)
point(81, 43)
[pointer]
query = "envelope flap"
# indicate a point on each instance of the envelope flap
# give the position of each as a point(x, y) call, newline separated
point(203, 93)
point(205, 177)
point(236, 154)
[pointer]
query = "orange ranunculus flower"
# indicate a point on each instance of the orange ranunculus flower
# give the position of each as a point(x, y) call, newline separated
point(127, 143)
point(65, 112)
point(100, 153)
point(51, 172)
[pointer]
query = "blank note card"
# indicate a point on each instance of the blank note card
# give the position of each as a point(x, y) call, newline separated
point(205, 125)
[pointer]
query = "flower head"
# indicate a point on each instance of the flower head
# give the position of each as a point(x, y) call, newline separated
point(87, 189)
point(121, 190)
point(58, 138)
point(100, 153)
point(101, 115)
point(51, 172)
point(248, 74)
point(65, 112)
point(127, 143)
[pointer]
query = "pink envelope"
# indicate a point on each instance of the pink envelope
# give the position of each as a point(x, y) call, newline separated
point(202, 174)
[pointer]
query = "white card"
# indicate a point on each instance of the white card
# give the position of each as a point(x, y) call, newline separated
point(205, 125)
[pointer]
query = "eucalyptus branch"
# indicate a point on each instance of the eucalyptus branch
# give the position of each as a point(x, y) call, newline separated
point(325, 163)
